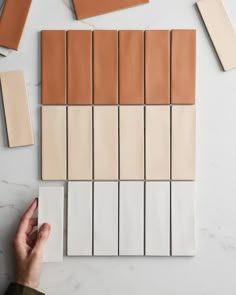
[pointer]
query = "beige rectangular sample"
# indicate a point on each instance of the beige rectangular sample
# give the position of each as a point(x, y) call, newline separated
point(183, 142)
point(54, 143)
point(220, 30)
point(106, 142)
point(16, 108)
point(79, 143)
point(131, 142)
point(158, 142)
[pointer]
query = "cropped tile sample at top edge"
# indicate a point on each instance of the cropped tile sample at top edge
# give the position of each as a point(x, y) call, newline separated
point(54, 67)
point(216, 20)
point(89, 8)
point(16, 108)
point(80, 67)
point(12, 22)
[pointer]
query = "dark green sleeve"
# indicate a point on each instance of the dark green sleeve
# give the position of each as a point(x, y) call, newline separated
point(16, 289)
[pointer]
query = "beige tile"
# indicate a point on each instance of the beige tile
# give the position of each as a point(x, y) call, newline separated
point(183, 142)
point(106, 142)
point(80, 143)
point(16, 108)
point(131, 142)
point(54, 143)
point(158, 142)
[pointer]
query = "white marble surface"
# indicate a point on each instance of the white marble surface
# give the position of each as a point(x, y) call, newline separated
point(212, 271)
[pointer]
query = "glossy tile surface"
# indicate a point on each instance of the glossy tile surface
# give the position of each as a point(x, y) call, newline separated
point(16, 107)
point(79, 219)
point(80, 164)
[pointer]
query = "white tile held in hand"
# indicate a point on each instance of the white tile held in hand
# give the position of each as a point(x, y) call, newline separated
point(54, 145)
point(183, 218)
point(51, 210)
point(105, 218)
point(131, 142)
point(106, 143)
point(220, 30)
point(16, 107)
point(157, 219)
point(80, 143)
point(183, 142)
point(158, 142)
point(131, 241)
point(79, 219)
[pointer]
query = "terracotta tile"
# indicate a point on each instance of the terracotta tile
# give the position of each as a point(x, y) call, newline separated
point(54, 147)
point(157, 44)
point(79, 44)
point(106, 143)
point(13, 21)
point(80, 219)
point(157, 142)
point(131, 60)
point(183, 218)
point(88, 8)
point(217, 21)
point(54, 67)
point(131, 143)
point(80, 143)
point(51, 210)
point(106, 67)
point(16, 107)
point(183, 142)
point(183, 65)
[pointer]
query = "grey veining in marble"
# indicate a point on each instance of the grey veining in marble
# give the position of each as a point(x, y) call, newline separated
point(212, 271)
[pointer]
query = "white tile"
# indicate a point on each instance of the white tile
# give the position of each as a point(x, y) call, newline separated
point(157, 218)
point(131, 219)
point(183, 218)
point(51, 210)
point(79, 219)
point(105, 218)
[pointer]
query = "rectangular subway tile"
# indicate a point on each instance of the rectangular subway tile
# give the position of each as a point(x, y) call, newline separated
point(131, 143)
point(105, 218)
point(106, 143)
point(131, 67)
point(157, 219)
point(183, 67)
point(80, 67)
point(183, 142)
point(157, 70)
point(13, 20)
point(51, 210)
point(216, 20)
point(16, 107)
point(183, 218)
point(89, 8)
point(158, 142)
point(131, 241)
point(80, 166)
point(54, 147)
point(54, 67)
point(79, 220)
point(105, 67)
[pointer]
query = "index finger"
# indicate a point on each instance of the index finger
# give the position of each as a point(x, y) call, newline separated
point(22, 229)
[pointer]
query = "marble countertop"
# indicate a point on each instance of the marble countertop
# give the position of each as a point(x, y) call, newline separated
point(212, 271)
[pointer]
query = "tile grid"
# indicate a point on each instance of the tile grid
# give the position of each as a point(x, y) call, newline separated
point(118, 180)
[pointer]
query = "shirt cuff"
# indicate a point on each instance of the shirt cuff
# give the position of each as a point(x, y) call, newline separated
point(17, 289)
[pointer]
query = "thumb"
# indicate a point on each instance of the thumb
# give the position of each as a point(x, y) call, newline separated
point(42, 238)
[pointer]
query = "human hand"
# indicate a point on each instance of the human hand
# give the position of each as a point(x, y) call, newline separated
point(29, 246)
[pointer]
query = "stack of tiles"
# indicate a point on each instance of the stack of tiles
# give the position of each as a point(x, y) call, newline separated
point(118, 122)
